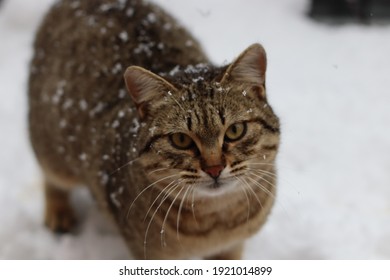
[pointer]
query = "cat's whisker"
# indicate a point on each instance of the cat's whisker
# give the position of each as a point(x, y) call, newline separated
point(273, 175)
point(162, 232)
point(262, 178)
point(247, 198)
point(249, 166)
point(261, 163)
point(123, 166)
point(251, 189)
point(157, 170)
point(170, 191)
point(260, 173)
point(164, 193)
point(256, 156)
point(146, 188)
point(263, 172)
point(262, 187)
point(193, 190)
point(179, 212)
point(259, 160)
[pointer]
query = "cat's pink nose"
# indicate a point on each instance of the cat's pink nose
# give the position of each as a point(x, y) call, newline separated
point(214, 171)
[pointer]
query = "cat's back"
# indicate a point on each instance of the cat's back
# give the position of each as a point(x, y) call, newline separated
point(94, 39)
point(81, 52)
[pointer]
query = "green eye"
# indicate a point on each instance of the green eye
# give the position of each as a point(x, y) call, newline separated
point(181, 141)
point(235, 132)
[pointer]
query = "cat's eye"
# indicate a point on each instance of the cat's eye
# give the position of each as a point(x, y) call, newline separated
point(181, 141)
point(235, 132)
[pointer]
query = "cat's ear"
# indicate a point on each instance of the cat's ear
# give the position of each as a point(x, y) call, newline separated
point(249, 68)
point(145, 87)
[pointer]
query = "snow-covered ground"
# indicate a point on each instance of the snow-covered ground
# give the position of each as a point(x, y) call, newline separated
point(329, 85)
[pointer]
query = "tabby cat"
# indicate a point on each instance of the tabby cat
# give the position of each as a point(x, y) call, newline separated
point(179, 152)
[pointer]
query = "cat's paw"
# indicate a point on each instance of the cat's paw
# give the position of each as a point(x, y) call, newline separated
point(59, 217)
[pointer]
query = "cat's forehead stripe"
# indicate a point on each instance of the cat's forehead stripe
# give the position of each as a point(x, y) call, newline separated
point(189, 123)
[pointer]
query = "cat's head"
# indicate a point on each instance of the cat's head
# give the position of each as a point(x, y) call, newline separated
point(209, 129)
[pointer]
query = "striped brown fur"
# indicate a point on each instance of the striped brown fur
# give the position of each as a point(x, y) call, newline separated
point(179, 152)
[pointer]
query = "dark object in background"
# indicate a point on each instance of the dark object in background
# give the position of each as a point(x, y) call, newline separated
point(350, 10)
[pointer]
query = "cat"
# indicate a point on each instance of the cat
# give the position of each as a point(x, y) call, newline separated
point(180, 153)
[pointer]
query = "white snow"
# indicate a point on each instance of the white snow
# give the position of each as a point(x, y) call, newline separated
point(124, 36)
point(328, 84)
point(83, 105)
point(116, 69)
point(115, 124)
point(151, 18)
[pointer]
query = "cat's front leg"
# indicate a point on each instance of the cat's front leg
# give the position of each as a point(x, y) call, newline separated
point(59, 215)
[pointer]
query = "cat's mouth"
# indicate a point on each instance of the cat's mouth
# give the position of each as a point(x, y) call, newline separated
point(215, 185)
point(219, 186)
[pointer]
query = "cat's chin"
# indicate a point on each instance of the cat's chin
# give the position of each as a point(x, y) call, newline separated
point(219, 188)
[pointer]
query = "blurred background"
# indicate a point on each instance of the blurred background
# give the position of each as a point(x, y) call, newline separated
point(327, 79)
